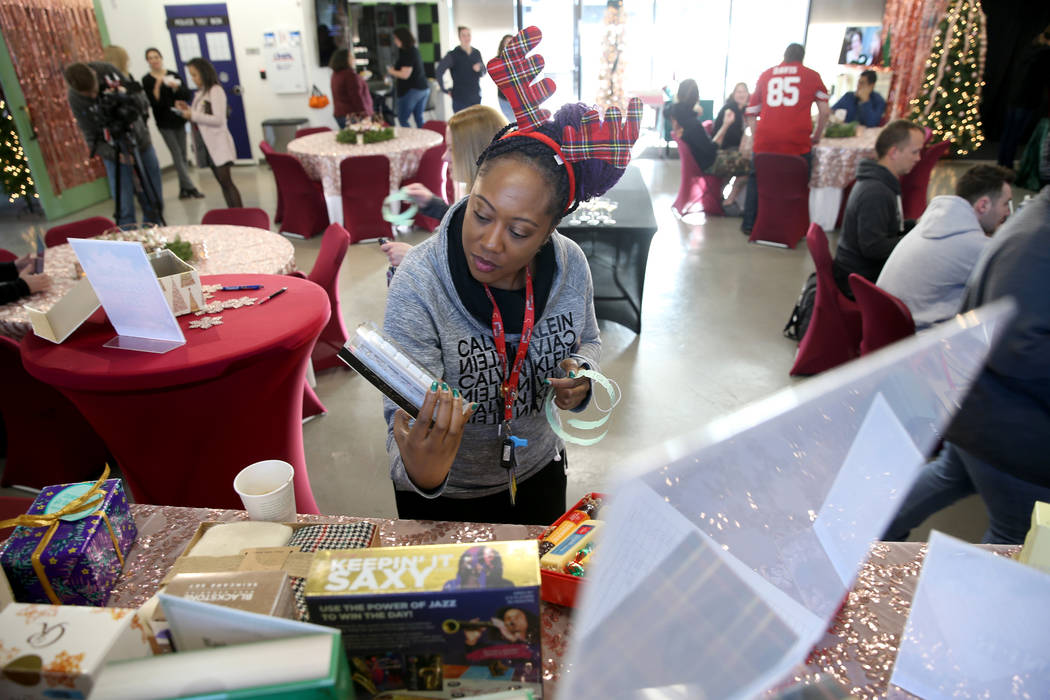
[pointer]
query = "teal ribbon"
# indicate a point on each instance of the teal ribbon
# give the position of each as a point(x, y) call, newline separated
point(403, 218)
point(611, 388)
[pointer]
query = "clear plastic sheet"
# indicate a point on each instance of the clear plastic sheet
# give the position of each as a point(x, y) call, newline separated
point(727, 551)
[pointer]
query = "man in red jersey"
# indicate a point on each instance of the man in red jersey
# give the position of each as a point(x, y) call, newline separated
point(782, 99)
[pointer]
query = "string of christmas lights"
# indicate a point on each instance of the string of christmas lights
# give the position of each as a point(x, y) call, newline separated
point(14, 173)
point(951, 88)
point(610, 76)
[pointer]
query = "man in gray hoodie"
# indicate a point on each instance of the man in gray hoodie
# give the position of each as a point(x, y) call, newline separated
point(929, 267)
point(873, 222)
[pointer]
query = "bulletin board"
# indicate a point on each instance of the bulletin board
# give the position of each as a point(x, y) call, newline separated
point(283, 52)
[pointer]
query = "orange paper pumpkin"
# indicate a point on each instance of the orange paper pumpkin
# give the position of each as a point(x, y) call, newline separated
point(318, 100)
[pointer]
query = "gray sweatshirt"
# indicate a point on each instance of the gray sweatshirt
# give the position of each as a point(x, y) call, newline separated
point(425, 315)
point(928, 269)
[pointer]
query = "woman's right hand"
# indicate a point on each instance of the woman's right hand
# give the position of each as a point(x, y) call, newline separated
point(395, 251)
point(429, 446)
point(418, 192)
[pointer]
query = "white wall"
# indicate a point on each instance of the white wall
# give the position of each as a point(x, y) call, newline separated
point(139, 24)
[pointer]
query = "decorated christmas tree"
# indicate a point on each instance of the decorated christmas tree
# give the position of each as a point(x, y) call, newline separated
point(610, 78)
point(14, 168)
point(953, 78)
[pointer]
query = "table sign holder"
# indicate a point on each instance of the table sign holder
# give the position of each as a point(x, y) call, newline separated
point(727, 551)
point(979, 627)
point(127, 288)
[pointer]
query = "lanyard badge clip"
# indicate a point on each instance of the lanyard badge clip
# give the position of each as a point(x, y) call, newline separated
point(509, 461)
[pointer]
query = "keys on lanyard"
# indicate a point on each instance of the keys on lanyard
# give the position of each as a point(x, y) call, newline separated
point(509, 460)
point(511, 376)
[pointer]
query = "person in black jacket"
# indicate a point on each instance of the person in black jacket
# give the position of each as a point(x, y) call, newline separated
point(1030, 79)
point(466, 66)
point(17, 280)
point(874, 221)
point(163, 88)
point(997, 445)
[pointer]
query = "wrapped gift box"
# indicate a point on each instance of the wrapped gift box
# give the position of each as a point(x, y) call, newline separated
point(58, 651)
point(180, 283)
point(80, 555)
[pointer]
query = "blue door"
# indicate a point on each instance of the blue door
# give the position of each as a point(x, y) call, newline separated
point(204, 31)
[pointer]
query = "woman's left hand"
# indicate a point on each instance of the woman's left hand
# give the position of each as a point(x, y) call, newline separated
point(572, 390)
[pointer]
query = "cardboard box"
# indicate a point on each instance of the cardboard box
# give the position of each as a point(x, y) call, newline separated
point(1036, 550)
point(302, 668)
point(449, 620)
point(263, 592)
point(287, 559)
point(84, 554)
point(58, 651)
point(180, 283)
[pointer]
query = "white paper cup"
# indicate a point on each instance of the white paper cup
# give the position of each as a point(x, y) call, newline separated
point(267, 491)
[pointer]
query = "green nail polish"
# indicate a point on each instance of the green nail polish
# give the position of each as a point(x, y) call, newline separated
point(547, 382)
point(434, 386)
point(444, 386)
point(455, 393)
point(473, 407)
point(571, 375)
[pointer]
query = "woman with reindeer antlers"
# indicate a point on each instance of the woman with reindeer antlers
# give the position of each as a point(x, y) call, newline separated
point(501, 306)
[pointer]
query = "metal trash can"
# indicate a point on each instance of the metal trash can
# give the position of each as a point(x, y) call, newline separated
point(278, 132)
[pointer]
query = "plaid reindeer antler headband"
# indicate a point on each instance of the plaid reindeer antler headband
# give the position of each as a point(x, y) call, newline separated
point(610, 140)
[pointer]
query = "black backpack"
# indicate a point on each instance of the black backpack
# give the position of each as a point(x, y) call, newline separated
point(803, 311)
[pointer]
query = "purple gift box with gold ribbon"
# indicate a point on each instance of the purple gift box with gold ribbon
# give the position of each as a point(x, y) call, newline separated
point(70, 547)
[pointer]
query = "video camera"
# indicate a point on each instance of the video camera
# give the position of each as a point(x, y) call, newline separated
point(119, 109)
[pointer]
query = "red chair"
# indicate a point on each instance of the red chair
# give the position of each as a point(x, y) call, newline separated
point(85, 228)
point(267, 151)
point(834, 332)
point(7, 255)
point(436, 125)
point(311, 130)
point(307, 213)
point(915, 184)
point(325, 273)
point(845, 200)
point(696, 187)
point(48, 441)
point(12, 507)
point(365, 184)
point(783, 199)
point(884, 318)
point(432, 174)
point(243, 216)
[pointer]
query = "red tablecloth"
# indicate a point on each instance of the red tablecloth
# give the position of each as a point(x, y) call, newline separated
point(182, 424)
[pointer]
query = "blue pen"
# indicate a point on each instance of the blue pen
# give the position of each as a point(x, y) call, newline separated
point(239, 287)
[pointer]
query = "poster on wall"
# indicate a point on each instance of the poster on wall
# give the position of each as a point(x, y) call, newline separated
point(283, 52)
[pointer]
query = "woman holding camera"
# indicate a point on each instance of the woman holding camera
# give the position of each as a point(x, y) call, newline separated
point(163, 87)
point(208, 115)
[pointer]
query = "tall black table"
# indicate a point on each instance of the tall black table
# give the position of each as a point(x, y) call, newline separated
point(618, 252)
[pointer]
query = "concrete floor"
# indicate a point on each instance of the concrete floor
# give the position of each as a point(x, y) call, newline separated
point(711, 340)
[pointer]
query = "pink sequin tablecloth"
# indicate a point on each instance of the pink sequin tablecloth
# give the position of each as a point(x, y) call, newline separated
point(321, 155)
point(835, 166)
point(230, 250)
point(835, 160)
point(857, 651)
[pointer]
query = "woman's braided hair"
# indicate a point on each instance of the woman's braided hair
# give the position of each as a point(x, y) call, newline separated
point(594, 177)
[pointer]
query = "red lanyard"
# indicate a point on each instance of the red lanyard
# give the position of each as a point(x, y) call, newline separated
point(509, 388)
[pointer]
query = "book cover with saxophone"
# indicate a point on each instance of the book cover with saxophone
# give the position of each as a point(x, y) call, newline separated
point(433, 620)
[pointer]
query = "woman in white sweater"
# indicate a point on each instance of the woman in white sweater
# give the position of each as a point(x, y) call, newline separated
point(208, 115)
